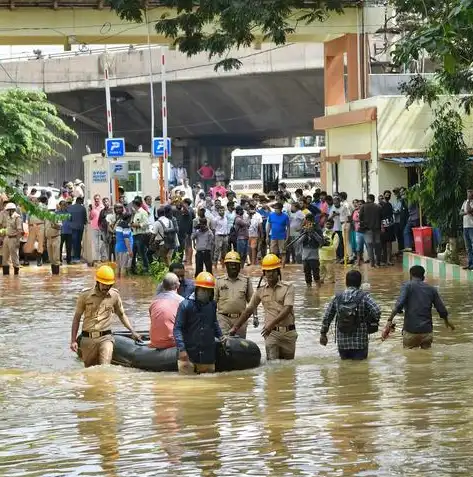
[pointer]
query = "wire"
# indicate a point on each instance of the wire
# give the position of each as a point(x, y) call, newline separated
point(177, 70)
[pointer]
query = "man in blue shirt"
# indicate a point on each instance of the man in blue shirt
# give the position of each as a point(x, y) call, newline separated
point(278, 230)
point(186, 285)
point(197, 327)
point(66, 232)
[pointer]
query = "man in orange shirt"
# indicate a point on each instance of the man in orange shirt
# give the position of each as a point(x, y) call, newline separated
point(162, 313)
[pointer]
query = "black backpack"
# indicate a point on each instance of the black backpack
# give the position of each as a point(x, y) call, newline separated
point(348, 313)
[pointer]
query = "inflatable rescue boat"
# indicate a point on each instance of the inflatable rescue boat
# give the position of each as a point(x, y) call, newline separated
point(234, 354)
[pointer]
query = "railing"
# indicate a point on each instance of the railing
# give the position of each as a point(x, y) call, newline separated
point(83, 51)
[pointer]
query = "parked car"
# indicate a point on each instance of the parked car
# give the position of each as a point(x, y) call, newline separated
point(55, 192)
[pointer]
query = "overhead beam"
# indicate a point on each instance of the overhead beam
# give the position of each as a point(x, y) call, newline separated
point(42, 25)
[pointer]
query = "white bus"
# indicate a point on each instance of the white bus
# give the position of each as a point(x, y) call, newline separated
point(262, 170)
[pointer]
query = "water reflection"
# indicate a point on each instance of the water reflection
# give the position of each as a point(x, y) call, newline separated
point(399, 413)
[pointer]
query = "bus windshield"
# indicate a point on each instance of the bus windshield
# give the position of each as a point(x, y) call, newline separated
point(296, 166)
point(247, 168)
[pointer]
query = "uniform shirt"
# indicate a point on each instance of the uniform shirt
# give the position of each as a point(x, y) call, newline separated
point(13, 225)
point(232, 295)
point(32, 220)
point(369, 311)
point(273, 300)
point(52, 229)
point(162, 314)
point(416, 300)
point(98, 309)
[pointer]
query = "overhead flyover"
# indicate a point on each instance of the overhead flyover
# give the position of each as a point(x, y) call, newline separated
point(66, 22)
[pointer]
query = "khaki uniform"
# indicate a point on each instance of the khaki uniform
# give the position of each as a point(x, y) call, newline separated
point(11, 242)
point(53, 238)
point(98, 313)
point(231, 297)
point(281, 343)
point(36, 234)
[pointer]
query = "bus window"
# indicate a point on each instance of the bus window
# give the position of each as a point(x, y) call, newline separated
point(296, 166)
point(247, 168)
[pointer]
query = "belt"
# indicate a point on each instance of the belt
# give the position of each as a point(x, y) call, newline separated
point(96, 334)
point(232, 315)
point(284, 328)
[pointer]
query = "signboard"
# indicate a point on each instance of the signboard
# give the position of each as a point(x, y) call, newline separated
point(115, 147)
point(158, 146)
point(119, 170)
point(99, 177)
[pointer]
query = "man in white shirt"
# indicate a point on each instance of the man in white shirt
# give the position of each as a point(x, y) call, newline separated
point(222, 229)
point(346, 212)
point(186, 188)
point(255, 232)
point(467, 213)
point(181, 175)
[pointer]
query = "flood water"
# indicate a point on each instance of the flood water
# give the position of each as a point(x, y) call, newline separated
point(399, 413)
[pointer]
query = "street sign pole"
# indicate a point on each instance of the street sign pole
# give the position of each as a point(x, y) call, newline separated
point(113, 185)
point(163, 165)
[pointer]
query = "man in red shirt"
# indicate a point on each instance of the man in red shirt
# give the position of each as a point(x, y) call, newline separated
point(206, 173)
point(162, 313)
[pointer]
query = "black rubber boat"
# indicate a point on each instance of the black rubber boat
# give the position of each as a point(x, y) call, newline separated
point(235, 354)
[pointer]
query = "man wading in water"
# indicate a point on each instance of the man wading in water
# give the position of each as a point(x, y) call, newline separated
point(98, 305)
point(417, 299)
point(357, 316)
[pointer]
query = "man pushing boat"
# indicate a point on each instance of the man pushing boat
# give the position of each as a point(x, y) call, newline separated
point(98, 305)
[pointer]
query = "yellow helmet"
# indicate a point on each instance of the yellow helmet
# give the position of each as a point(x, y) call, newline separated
point(232, 257)
point(105, 275)
point(270, 262)
point(205, 280)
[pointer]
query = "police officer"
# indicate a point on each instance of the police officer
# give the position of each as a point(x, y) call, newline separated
point(13, 230)
point(277, 297)
point(98, 304)
point(232, 292)
point(53, 240)
point(36, 233)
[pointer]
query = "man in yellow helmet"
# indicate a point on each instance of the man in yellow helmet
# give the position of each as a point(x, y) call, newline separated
point(98, 304)
point(196, 328)
point(232, 292)
point(277, 297)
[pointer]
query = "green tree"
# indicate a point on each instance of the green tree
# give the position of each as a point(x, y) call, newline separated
point(447, 173)
point(31, 132)
point(216, 26)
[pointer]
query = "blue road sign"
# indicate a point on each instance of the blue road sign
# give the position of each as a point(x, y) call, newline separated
point(158, 146)
point(115, 147)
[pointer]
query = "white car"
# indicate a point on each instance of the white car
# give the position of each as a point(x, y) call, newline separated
point(54, 191)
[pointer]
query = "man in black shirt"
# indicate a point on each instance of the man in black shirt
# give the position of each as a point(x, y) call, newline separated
point(416, 300)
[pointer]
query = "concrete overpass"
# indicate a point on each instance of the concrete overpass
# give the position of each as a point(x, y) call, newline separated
point(277, 92)
point(62, 22)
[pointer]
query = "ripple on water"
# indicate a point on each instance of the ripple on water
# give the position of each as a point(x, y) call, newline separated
point(399, 413)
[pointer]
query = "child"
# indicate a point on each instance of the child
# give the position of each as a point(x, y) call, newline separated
point(203, 240)
point(328, 253)
point(123, 244)
point(311, 241)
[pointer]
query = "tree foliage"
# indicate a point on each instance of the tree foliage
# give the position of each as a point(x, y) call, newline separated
point(447, 173)
point(30, 133)
point(443, 31)
point(216, 26)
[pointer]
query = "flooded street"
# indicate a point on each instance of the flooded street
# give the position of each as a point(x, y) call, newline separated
point(399, 413)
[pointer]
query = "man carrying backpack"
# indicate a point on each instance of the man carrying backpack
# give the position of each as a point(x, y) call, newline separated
point(357, 315)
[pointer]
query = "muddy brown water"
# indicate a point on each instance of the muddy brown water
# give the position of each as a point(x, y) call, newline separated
point(399, 413)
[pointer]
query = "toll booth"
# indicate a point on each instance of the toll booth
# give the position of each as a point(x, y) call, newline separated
point(136, 172)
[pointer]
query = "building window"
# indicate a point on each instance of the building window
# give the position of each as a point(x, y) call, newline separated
point(132, 185)
point(301, 166)
point(334, 177)
point(365, 178)
point(247, 168)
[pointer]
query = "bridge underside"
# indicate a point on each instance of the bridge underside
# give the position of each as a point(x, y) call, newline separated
point(217, 111)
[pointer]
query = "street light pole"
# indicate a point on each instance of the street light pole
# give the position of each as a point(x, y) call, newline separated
point(163, 169)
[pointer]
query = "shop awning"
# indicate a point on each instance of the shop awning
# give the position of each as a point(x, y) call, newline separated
point(405, 161)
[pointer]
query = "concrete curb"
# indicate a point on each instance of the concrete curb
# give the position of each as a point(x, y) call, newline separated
point(437, 268)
